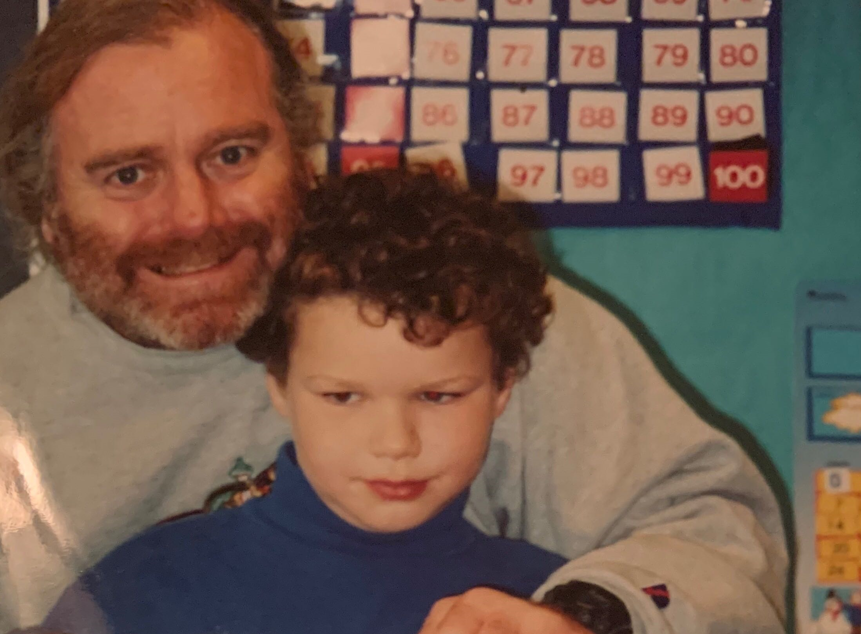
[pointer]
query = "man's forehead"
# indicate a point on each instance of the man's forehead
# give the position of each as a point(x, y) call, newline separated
point(215, 72)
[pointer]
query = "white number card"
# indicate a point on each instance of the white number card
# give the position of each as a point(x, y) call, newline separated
point(457, 9)
point(597, 116)
point(517, 55)
point(373, 114)
point(443, 52)
point(527, 175)
point(383, 7)
point(590, 176)
point(738, 9)
point(587, 56)
point(671, 55)
point(739, 55)
point(734, 114)
point(673, 174)
point(670, 10)
point(307, 43)
point(439, 114)
point(517, 116)
point(369, 58)
point(669, 115)
point(525, 10)
point(598, 10)
point(446, 159)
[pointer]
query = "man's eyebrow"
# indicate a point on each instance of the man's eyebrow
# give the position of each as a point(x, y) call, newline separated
point(129, 155)
point(257, 131)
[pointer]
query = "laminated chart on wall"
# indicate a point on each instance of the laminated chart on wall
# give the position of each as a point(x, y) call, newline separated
point(827, 478)
point(594, 112)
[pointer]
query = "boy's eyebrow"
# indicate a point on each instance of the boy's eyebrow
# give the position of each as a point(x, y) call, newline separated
point(448, 381)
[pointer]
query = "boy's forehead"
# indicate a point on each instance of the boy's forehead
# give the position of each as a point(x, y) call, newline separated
point(344, 333)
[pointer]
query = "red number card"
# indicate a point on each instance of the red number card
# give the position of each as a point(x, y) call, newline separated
point(738, 9)
point(669, 115)
point(457, 9)
point(446, 159)
point(518, 116)
point(671, 56)
point(734, 114)
point(527, 175)
point(670, 10)
point(739, 55)
point(360, 158)
point(598, 10)
point(590, 176)
point(368, 58)
point(523, 10)
point(597, 116)
point(443, 52)
point(373, 114)
point(587, 56)
point(307, 43)
point(322, 97)
point(673, 174)
point(738, 176)
point(439, 114)
point(517, 55)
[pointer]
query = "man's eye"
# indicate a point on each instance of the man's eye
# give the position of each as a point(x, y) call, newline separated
point(234, 154)
point(127, 176)
point(439, 398)
point(341, 398)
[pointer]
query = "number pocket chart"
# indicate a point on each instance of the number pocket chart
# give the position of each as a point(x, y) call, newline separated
point(594, 112)
point(828, 457)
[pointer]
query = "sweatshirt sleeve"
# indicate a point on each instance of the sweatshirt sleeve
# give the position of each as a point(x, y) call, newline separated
point(597, 458)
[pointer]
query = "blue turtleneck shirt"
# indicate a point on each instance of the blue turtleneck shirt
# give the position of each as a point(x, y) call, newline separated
point(286, 564)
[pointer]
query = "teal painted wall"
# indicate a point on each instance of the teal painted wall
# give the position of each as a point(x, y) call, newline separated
point(719, 303)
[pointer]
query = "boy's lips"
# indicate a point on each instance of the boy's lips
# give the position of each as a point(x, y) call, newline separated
point(398, 490)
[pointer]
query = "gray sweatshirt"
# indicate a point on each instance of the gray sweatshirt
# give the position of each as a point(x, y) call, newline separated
point(596, 458)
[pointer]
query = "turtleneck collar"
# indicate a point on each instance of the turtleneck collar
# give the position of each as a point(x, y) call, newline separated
point(293, 506)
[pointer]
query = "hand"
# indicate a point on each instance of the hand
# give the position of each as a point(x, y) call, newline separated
point(486, 611)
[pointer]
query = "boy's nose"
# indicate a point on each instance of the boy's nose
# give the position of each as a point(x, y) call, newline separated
point(395, 434)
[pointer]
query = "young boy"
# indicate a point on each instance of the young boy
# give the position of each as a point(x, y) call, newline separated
point(403, 315)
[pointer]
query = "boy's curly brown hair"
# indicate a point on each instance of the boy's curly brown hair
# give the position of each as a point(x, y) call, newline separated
point(416, 248)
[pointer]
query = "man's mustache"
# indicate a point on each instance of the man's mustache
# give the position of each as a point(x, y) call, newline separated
point(216, 245)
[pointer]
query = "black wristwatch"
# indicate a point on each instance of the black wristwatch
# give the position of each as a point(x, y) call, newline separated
point(592, 606)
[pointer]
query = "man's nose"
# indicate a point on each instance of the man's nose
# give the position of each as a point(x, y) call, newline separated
point(395, 433)
point(194, 205)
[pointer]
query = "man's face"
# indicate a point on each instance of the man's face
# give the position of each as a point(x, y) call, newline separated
point(387, 432)
point(174, 180)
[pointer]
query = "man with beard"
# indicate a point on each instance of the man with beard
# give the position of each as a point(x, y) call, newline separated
point(150, 149)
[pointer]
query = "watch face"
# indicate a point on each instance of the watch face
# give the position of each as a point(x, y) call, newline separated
point(592, 606)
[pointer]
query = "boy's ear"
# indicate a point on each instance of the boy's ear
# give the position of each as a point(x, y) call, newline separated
point(504, 394)
point(276, 393)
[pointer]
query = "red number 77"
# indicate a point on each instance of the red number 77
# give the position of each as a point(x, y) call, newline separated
point(511, 49)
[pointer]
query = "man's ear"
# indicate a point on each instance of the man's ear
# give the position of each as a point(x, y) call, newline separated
point(504, 393)
point(277, 394)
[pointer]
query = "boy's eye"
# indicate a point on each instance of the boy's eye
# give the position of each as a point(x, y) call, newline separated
point(341, 398)
point(439, 398)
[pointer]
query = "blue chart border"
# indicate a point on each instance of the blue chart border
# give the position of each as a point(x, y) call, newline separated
point(632, 210)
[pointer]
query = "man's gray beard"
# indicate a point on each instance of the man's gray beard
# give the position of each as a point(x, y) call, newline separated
point(193, 326)
point(90, 268)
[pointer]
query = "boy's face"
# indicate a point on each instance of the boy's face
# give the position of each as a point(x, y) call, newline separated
point(387, 432)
